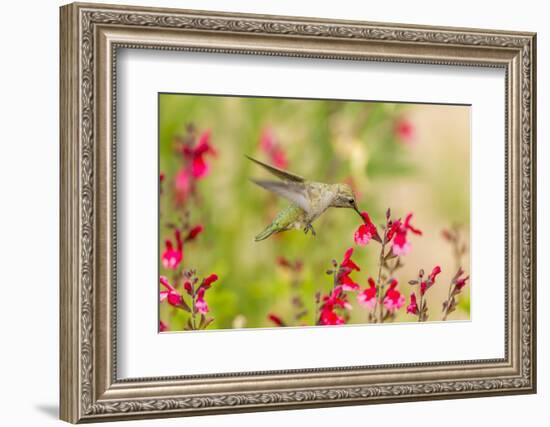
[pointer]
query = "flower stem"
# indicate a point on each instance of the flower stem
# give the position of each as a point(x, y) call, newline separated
point(448, 302)
point(193, 308)
point(421, 307)
point(379, 286)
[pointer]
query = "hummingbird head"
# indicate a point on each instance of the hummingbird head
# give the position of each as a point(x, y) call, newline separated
point(344, 198)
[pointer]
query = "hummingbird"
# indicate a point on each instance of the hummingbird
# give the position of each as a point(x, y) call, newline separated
point(308, 199)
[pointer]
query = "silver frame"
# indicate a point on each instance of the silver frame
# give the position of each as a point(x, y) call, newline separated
point(90, 37)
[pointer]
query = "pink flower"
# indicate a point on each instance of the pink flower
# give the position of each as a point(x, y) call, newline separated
point(367, 297)
point(200, 303)
point(171, 295)
point(194, 232)
point(163, 327)
point(366, 231)
point(172, 257)
point(199, 167)
point(400, 245)
point(404, 130)
point(275, 319)
point(412, 308)
point(398, 232)
point(270, 146)
point(393, 300)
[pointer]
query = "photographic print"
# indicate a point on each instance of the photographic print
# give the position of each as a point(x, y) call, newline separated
point(285, 218)
point(282, 212)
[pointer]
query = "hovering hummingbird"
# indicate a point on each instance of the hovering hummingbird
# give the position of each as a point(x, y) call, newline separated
point(308, 200)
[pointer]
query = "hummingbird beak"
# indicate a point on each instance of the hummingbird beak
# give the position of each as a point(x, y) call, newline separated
point(357, 210)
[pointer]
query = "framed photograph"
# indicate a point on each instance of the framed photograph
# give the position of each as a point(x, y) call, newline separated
point(264, 212)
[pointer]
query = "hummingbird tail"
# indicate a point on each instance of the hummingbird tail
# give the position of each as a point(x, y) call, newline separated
point(268, 231)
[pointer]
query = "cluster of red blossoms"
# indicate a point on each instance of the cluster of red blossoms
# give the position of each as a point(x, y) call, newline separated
point(196, 304)
point(335, 306)
point(381, 297)
point(396, 233)
point(185, 291)
point(193, 152)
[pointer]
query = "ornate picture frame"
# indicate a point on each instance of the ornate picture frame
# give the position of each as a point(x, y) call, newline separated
point(90, 37)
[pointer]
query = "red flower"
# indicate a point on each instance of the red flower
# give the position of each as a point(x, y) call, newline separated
point(200, 304)
point(346, 267)
point(461, 281)
point(172, 257)
point(194, 232)
point(163, 327)
point(367, 297)
point(404, 130)
point(427, 284)
point(330, 317)
point(366, 231)
point(207, 282)
point(347, 283)
point(336, 299)
point(188, 288)
point(348, 262)
point(275, 319)
point(270, 146)
point(398, 231)
point(171, 295)
point(199, 167)
point(412, 308)
point(436, 270)
point(394, 228)
point(423, 287)
point(393, 300)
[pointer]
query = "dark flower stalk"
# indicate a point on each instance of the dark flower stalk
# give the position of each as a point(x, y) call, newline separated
point(455, 287)
point(421, 309)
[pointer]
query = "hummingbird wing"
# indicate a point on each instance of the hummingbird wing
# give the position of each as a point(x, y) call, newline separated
point(292, 191)
point(279, 173)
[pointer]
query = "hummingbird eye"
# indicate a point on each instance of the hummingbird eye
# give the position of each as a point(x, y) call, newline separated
point(351, 201)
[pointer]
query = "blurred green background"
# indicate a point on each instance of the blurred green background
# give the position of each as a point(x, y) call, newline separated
point(409, 157)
